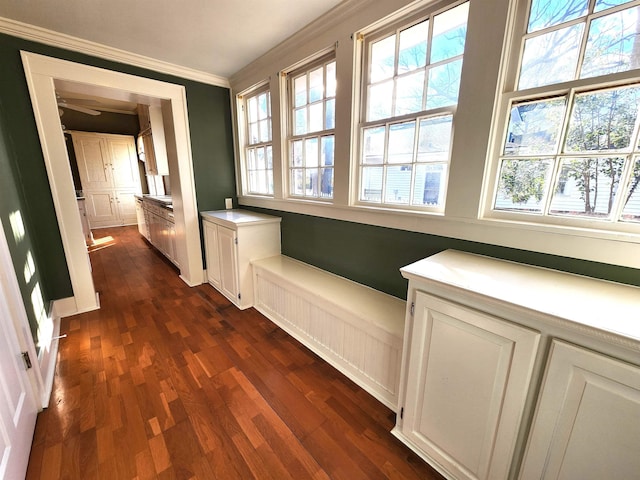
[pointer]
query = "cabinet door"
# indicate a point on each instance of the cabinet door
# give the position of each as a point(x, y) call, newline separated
point(93, 160)
point(587, 422)
point(150, 165)
point(468, 379)
point(126, 202)
point(124, 163)
point(102, 209)
point(228, 263)
point(212, 251)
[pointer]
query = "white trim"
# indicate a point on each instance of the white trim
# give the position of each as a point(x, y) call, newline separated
point(40, 72)
point(68, 42)
point(606, 247)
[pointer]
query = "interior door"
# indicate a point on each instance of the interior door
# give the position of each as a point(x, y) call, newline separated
point(18, 408)
point(93, 162)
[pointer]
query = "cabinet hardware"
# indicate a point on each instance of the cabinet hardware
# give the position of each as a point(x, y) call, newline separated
point(413, 308)
point(402, 413)
point(27, 360)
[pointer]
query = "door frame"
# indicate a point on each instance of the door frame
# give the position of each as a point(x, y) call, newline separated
point(41, 73)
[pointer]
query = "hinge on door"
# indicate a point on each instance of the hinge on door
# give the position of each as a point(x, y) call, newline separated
point(27, 360)
point(413, 308)
point(235, 240)
point(401, 413)
point(239, 297)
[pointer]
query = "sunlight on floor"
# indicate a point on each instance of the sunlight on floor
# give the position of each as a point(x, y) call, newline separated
point(100, 243)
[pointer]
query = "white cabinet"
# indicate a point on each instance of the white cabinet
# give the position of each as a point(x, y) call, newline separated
point(152, 147)
point(86, 229)
point(469, 379)
point(232, 239)
point(513, 371)
point(160, 227)
point(109, 175)
point(587, 422)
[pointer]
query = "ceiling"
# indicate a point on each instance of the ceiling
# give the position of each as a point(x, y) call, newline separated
point(218, 37)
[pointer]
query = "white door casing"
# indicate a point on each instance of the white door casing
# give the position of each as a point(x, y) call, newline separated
point(41, 72)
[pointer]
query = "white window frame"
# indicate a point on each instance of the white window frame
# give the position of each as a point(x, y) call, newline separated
point(245, 135)
point(322, 60)
point(511, 95)
point(368, 39)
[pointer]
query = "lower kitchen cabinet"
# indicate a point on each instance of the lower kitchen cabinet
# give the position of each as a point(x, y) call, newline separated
point(233, 238)
point(111, 208)
point(470, 375)
point(160, 228)
point(587, 423)
point(511, 371)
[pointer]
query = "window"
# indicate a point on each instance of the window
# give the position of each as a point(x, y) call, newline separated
point(571, 148)
point(312, 100)
point(258, 154)
point(411, 83)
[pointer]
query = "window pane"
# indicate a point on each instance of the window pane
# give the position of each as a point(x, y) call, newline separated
point(326, 183)
point(413, 47)
point(296, 159)
point(297, 181)
point(269, 157)
point(300, 90)
point(300, 127)
point(434, 140)
point(604, 4)
point(587, 186)
point(534, 127)
point(379, 102)
point(263, 106)
point(330, 114)
point(545, 13)
point(327, 150)
point(311, 152)
point(449, 33)
point(254, 134)
point(551, 58)
point(316, 118)
point(612, 45)
point(429, 184)
point(371, 187)
point(265, 134)
point(383, 54)
point(631, 211)
point(522, 184)
point(311, 182)
point(251, 159)
point(252, 109)
point(373, 148)
point(260, 160)
point(331, 79)
point(444, 84)
point(316, 85)
point(401, 137)
point(409, 92)
point(398, 182)
point(603, 120)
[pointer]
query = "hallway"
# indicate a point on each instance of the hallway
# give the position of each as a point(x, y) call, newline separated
point(171, 382)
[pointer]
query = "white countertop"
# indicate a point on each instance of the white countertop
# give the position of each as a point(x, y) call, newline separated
point(607, 306)
point(238, 217)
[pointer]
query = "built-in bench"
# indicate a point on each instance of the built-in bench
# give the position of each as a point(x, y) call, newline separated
point(353, 327)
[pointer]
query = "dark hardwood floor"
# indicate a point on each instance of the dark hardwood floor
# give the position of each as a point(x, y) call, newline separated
point(167, 381)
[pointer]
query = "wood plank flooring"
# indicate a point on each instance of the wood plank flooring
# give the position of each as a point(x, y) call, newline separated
point(171, 382)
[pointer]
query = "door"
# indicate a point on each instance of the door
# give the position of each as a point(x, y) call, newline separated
point(124, 164)
point(228, 263)
point(126, 201)
point(18, 409)
point(93, 162)
point(101, 209)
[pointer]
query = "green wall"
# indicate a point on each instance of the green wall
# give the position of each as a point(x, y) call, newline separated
point(22, 165)
point(373, 255)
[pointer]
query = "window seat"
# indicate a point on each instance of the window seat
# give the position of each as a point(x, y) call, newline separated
point(355, 328)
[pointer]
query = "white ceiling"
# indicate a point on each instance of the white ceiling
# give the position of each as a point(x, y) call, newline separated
point(217, 37)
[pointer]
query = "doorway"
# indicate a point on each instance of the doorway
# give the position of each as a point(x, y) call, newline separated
point(43, 73)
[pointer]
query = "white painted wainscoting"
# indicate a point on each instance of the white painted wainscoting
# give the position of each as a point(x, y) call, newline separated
point(355, 328)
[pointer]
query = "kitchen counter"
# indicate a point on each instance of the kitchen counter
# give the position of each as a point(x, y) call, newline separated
point(163, 200)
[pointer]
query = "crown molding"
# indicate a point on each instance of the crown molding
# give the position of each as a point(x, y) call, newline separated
point(68, 42)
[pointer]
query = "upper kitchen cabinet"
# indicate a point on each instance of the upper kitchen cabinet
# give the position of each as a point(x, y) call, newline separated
point(152, 148)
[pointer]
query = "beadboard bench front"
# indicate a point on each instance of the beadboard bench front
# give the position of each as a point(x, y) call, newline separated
point(355, 328)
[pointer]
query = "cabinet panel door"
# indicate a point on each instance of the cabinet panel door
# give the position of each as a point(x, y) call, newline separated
point(228, 263)
point(94, 165)
point(212, 251)
point(124, 163)
point(587, 422)
point(126, 201)
point(101, 209)
point(469, 374)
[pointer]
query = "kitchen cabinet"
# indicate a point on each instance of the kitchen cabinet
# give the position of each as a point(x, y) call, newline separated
point(233, 238)
point(160, 226)
point(513, 371)
point(109, 175)
point(587, 423)
point(140, 216)
point(152, 148)
point(86, 229)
